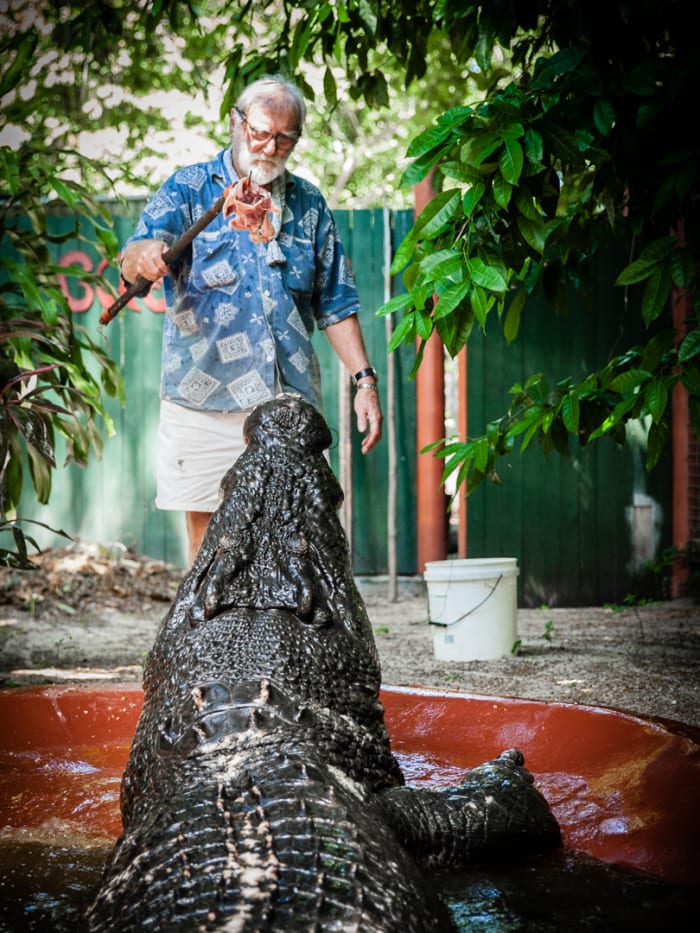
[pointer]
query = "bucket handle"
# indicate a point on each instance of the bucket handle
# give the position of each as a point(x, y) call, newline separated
point(469, 611)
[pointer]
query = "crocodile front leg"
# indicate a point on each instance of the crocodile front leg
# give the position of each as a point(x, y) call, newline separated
point(497, 810)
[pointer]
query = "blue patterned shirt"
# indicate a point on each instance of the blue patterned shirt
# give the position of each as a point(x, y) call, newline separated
point(240, 315)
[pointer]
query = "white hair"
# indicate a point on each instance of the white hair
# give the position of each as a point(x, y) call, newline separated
point(275, 94)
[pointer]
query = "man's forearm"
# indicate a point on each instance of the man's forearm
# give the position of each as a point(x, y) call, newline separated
point(346, 339)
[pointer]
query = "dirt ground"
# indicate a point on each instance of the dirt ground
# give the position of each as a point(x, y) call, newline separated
point(89, 614)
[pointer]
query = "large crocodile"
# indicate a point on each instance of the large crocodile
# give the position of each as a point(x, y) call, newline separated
point(261, 792)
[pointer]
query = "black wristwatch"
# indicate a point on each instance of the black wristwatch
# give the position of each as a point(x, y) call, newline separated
point(363, 373)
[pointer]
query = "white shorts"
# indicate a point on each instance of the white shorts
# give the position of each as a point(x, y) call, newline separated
point(195, 450)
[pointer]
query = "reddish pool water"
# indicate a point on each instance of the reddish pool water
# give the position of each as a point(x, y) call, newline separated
point(626, 790)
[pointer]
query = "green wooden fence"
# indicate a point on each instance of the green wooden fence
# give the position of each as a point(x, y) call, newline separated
point(582, 527)
point(579, 528)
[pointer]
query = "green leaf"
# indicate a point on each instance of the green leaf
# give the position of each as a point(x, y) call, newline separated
point(563, 62)
point(501, 191)
point(511, 325)
point(481, 147)
point(405, 331)
point(441, 264)
point(563, 144)
point(681, 268)
point(480, 305)
point(108, 239)
point(436, 214)
point(472, 197)
point(19, 66)
point(656, 294)
point(481, 454)
point(395, 304)
point(424, 324)
point(629, 380)
point(690, 345)
point(418, 169)
point(64, 192)
point(656, 399)
point(461, 172)
point(571, 412)
point(40, 472)
point(656, 442)
point(455, 116)
point(604, 116)
point(330, 88)
point(511, 161)
point(623, 407)
point(455, 329)
point(535, 425)
point(486, 276)
point(690, 377)
point(636, 271)
point(428, 141)
point(534, 148)
point(450, 298)
point(533, 232)
point(524, 202)
point(404, 253)
point(658, 346)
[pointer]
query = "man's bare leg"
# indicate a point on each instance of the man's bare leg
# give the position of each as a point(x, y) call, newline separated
point(196, 526)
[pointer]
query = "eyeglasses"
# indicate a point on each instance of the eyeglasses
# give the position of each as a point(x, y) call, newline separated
point(283, 141)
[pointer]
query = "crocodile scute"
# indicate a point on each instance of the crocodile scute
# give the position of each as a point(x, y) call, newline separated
point(261, 792)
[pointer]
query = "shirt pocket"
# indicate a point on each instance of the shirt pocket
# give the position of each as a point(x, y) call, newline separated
point(299, 272)
point(215, 262)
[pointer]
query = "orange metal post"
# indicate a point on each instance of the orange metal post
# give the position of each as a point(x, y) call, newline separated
point(430, 426)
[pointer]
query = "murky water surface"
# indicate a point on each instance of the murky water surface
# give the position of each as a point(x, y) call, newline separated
point(45, 888)
point(630, 793)
point(47, 875)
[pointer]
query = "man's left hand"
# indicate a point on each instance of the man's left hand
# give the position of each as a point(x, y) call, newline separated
point(369, 417)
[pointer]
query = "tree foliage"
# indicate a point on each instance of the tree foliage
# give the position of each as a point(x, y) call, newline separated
point(586, 147)
point(563, 127)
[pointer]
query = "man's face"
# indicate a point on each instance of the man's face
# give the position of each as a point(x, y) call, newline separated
point(262, 141)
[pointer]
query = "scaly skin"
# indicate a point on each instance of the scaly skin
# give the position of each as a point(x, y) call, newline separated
point(261, 793)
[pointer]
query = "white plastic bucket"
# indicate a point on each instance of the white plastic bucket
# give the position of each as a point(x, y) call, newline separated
point(472, 606)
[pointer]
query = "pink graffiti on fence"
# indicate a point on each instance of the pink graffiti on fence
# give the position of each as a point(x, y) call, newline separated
point(90, 293)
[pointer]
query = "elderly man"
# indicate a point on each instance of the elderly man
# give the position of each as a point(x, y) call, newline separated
point(241, 309)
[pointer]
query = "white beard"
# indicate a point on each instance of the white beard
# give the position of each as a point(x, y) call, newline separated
point(262, 170)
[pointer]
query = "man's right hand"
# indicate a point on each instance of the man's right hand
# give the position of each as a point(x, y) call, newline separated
point(145, 259)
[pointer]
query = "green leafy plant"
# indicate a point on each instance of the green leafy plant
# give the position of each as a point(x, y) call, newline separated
point(535, 179)
point(18, 556)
